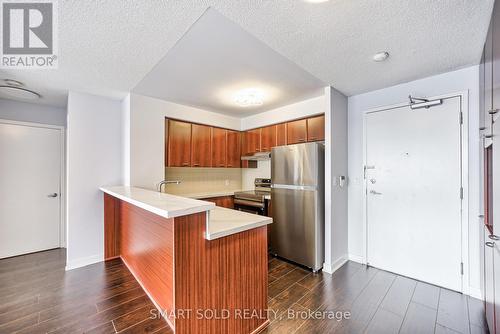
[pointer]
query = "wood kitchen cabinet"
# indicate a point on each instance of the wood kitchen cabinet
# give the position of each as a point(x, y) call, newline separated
point(316, 128)
point(489, 93)
point(281, 134)
point(297, 132)
point(201, 153)
point(179, 144)
point(267, 138)
point(222, 201)
point(233, 149)
point(218, 147)
point(251, 141)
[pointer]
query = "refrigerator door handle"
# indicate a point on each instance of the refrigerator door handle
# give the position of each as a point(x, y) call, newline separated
point(293, 187)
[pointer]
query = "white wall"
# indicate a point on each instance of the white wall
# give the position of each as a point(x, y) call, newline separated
point(336, 225)
point(289, 112)
point(94, 159)
point(457, 81)
point(29, 112)
point(147, 135)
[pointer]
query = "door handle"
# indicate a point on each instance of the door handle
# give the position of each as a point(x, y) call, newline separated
point(52, 195)
point(494, 237)
point(373, 192)
point(490, 244)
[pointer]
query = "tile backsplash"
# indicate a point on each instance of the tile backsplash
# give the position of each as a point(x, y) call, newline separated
point(201, 180)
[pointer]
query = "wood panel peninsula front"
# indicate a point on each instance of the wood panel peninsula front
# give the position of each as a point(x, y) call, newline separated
point(203, 266)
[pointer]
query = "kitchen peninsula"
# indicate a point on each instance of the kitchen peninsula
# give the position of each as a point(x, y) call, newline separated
point(205, 267)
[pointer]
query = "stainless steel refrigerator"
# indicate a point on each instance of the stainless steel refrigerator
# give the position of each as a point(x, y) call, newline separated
point(298, 203)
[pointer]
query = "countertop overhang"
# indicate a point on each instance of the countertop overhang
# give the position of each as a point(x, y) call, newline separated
point(221, 222)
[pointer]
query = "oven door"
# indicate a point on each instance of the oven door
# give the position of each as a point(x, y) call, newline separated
point(257, 208)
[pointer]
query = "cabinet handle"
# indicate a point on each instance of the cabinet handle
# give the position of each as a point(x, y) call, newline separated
point(185, 164)
point(488, 136)
point(490, 244)
point(301, 140)
point(482, 128)
point(494, 237)
point(493, 111)
point(196, 165)
point(313, 138)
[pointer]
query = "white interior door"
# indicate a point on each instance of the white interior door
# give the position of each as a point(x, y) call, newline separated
point(413, 181)
point(30, 176)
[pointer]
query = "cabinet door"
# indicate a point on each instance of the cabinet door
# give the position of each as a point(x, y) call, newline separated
point(233, 149)
point(251, 140)
point(179, 144)
point(223, 201)
point(296, 131)
point(316, 128)
point(281, 134)
point(495, 211)
point(267, 138)
point(495, 56)
point(218, 147)
point(201, 155)
point(488, 85)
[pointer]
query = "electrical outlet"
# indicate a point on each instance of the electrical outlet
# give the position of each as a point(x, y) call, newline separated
point(226, 183)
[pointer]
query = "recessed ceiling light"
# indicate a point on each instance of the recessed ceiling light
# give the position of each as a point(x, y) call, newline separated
point(15, 89)
point(250, 97)
point(381, 56)
point(316, 1)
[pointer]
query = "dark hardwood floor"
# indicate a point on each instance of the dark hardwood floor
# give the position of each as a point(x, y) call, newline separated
point(38, 296)
point(377, 302)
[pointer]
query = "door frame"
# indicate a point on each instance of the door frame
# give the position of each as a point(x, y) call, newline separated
point(464, 160)
point(62, 181)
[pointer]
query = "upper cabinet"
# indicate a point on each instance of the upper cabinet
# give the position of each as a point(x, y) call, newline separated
point(488, 86)
point(267, 138)
point(179, 144)
point(281, 134)
point(297, 132)
point(316, 128)
point(201, 146)
point(196, 145)
point(233, 149)
point(218, 147)
point(251, 141)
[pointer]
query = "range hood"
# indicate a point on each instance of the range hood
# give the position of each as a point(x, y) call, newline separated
point(258, 156)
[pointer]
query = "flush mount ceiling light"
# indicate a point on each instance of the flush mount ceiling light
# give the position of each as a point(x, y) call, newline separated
point(15, 89)
point(250, 97)
point(381, 56)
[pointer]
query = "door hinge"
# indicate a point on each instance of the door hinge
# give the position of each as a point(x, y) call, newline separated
point(461, 192)
point(461, 117)
point(461, 268)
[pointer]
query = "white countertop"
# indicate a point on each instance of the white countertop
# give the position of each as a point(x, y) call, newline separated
point(162, 204)
point(221, 222)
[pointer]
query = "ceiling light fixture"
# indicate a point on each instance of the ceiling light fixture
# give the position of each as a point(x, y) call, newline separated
point(380, 56)
point(250, 97)
point(15, 89)
point(316, 1)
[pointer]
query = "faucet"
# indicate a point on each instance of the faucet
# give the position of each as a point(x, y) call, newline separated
point(158, 187)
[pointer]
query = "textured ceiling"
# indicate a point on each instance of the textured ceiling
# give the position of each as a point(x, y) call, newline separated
point(215, 60)
point(108, 46)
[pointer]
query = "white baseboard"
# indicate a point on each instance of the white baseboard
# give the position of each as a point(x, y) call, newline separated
point(357, 258)
point(84, 261)
point(330, 268)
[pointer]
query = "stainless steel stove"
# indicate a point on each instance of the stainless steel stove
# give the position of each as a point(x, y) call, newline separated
point(254, 201)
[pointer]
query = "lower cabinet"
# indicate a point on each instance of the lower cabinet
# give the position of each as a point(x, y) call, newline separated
point(222, 201)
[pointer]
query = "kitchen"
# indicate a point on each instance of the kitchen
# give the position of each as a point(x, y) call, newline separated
point(275, 167)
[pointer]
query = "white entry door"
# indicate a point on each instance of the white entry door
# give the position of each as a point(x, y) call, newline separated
point(413, 185)
point(30, 187)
